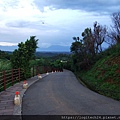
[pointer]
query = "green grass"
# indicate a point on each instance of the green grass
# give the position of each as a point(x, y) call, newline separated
point(102, 77)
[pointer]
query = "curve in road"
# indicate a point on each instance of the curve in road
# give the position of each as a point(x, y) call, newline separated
point(60, 93)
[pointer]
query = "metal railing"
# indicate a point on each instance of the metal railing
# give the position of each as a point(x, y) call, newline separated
point(9, 78)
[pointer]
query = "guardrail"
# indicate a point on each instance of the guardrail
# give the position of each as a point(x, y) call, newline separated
point(35, 70)
point(9, 78)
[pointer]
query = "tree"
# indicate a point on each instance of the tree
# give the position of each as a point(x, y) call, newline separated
point(4, 55)
point(21, 57)
point(89, 42)
point(99, 35)
point(115, 32)
point(80, 58)
point(76, 46)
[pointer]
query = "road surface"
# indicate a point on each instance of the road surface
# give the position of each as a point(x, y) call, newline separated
point(61, 93)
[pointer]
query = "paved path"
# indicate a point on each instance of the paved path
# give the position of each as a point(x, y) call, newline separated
point(7, 106)
point(60, 93)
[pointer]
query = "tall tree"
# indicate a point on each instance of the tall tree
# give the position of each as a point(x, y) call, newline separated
point(21, 57)
point(89, 42)
point(115, 32)
point(99, 34)
point(80, 58)
point(77, 46)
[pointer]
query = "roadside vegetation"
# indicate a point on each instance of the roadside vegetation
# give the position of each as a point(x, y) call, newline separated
point(5, 63)
point(104, 75)
point(30, 64)
point(25, 57)
point(99, 69)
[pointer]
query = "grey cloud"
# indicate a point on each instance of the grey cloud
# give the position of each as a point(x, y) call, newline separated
point(18, 24)
point(40, 24)
point(100, 6)
point(10, 3)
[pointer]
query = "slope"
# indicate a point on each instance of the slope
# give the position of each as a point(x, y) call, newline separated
point(104, 76)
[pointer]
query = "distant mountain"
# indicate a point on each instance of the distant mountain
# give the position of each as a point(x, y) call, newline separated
point(53, 48)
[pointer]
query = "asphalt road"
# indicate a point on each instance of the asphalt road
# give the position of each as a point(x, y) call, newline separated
point(61, 93)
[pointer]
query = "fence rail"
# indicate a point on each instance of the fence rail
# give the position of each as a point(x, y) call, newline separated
point(10, 77)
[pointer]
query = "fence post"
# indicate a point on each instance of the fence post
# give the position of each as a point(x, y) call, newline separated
point(12, 78)
point(4, 80)
point(19, 73)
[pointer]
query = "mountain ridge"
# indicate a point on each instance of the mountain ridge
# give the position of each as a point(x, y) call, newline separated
point(52, 48)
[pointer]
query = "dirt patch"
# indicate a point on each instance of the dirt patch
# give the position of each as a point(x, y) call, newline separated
point(110, 80)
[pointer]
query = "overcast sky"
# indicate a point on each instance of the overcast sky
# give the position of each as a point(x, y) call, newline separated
point(54, 22)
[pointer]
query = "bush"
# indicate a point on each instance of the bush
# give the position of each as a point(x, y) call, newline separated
point(5, 65)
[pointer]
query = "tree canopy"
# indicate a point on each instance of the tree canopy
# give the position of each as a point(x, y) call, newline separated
point(21, 57)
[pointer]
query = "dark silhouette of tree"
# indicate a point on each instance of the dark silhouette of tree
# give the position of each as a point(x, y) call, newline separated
point(80, 58)
point(85, 50)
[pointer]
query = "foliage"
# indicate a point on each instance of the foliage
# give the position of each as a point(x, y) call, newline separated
point(21, 57)
point(98, 69)
point(85, 50)
point(4, 55)
point(104, 76)
point(5, 65)
point(79, 54)
point(40, 54)
point(89, 41)
point(56, 62)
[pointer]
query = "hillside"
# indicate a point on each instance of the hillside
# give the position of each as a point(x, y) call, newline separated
point(104, 76)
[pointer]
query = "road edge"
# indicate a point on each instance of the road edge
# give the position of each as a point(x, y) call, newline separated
point(18, 108)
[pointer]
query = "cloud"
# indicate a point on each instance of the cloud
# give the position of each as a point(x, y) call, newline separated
point(18, 23)
point(8, 44)
point(19, 10)
point(101, 6)
point(54, 22)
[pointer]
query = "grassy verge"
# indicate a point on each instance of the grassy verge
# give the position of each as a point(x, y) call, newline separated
point(104, 77)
